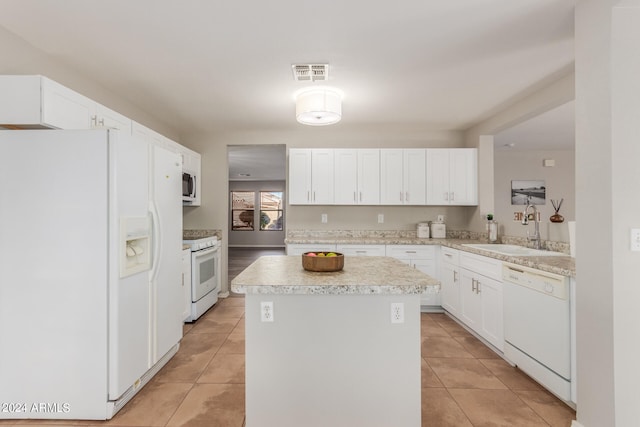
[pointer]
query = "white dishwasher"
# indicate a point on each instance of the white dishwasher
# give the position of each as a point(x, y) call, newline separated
point(537, 326)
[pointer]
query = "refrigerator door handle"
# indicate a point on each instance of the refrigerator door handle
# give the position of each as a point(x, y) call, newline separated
point(155, 240)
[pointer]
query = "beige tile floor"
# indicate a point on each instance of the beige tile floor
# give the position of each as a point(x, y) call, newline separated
point(464, 383)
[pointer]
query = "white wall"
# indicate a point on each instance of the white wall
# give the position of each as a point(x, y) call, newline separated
point(559, 181)
point(607, 207)
point(19, 57)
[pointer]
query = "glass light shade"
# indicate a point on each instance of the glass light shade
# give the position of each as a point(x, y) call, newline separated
point(319, 106)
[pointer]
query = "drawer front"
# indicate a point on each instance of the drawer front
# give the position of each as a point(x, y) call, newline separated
point(411, 251)
point(479, 264)
point(452, 256)
point(361, 250)
point(299, 249)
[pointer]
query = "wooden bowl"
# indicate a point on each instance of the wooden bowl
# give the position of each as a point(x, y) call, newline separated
point(322, 263)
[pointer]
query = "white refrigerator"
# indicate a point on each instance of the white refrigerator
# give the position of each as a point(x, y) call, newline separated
point(90, 270)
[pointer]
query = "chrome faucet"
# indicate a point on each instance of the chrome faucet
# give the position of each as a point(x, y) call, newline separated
point(525, 221)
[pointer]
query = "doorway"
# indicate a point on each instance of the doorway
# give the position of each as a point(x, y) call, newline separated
point(257, 185)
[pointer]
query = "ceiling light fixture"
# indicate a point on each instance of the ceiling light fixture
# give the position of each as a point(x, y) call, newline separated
point(318, 106)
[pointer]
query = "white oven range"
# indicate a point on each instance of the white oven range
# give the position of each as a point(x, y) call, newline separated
point(205, 274)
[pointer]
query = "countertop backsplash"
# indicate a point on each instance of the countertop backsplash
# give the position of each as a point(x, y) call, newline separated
point(411, 234)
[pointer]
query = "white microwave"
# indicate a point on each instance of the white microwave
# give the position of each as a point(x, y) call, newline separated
point(188, 187)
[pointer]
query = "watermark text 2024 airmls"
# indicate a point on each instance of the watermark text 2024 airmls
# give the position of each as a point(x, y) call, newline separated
point(35, 407)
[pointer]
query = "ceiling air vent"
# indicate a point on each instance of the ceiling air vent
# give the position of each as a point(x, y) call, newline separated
point(310, 72)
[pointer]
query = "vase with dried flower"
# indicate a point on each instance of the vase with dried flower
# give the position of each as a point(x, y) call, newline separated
point(556, 217)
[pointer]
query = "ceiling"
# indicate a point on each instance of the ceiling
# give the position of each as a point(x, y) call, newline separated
point(552, 130)
point(223, 66)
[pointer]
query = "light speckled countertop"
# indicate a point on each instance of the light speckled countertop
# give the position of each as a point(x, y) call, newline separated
point(563, 265)
point(360, 276)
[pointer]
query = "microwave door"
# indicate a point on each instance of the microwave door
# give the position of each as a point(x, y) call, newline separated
point(192, 186)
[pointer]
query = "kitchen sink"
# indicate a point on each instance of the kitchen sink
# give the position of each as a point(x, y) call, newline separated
point(512, 250)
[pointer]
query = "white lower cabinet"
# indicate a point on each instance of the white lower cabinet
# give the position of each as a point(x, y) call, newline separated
point(422, 258)
point(300, 248)
point(361, 250)
point(450, 281)
point(186, 283)
point(481, 297)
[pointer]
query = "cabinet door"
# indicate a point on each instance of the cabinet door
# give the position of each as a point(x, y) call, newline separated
point(345, 177)
point(491, 325)
point(391, 177)
point(186, 283)
point(63, 108)
point(322, 177)
point(299, 176)
point(463, 176)
point(428, 267)
point(450, 288)
point(414, 176)
point(368, 177)
point(437, 176)
point(470, 305)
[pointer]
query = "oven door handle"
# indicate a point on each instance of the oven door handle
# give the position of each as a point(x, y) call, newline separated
point(207, 251)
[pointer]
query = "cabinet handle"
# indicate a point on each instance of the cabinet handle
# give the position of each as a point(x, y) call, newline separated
point(354, 196)
point(314, 196)
point(407, 196)
point(449, 255)
point(409, 252)
point(361, 196)
point(101, 122)
point(477, 286)
point(401, 196)
point(446, 196)
point(453, 196)
point(473, 285)
point(94, 121)
point(308, 199)
point(455, 276)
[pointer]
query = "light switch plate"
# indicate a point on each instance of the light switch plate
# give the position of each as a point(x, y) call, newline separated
point(635, 239)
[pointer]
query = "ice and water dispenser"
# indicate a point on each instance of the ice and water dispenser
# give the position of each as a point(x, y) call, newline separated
point(135, 245)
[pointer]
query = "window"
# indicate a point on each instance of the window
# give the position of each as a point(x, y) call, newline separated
point(243, 205)
point(271, 211)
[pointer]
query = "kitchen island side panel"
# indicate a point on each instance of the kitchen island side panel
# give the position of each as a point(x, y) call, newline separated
point(333, 360)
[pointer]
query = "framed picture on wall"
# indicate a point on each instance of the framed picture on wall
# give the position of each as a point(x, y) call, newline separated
point(528, 192)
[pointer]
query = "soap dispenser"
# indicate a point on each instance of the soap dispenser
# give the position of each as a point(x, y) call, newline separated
point(492, 229)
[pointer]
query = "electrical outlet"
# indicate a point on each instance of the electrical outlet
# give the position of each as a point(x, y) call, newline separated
point(380, 218)
point(440, 218)
point(323, 218)
point(397, 312)
point(266, 311)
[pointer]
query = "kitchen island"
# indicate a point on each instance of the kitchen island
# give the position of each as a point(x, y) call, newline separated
point(330, 350)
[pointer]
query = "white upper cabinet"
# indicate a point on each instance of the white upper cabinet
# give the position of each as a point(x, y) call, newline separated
point(36, 101)
point(402, 176)
point(452, 176)
point(299, 176)
point(357, 177)
point(65, 109)
point(310, 176)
